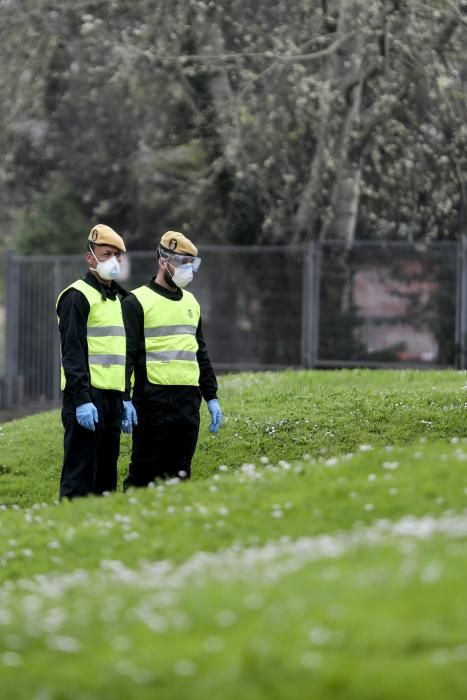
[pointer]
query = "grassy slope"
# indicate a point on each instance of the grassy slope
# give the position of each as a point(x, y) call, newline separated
point(385, 620)
point(281, 415)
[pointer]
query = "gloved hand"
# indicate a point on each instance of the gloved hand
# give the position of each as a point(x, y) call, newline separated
point(129, 418)
point(216, 415)
point(86, 415)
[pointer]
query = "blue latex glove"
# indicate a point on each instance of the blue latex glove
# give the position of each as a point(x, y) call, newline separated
point(86, 415)
point(216, 415)
point(129, 418)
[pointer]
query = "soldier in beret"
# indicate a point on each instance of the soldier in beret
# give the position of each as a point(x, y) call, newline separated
point(93, 352)
point(168, 365)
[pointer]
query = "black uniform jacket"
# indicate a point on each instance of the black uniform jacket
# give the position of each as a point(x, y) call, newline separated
point(174, 396)
point(73, 311)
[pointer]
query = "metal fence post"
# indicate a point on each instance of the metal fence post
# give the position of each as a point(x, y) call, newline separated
point(311, 303)
point(12, 294)
point(58, 285)
point(461, 304)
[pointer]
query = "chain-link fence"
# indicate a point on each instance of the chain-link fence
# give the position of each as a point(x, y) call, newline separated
point(374, 304)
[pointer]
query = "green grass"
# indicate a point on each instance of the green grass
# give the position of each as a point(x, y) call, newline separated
point(279, 415)
point(319, 552)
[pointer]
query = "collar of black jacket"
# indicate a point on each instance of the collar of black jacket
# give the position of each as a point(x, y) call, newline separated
point(175, 295)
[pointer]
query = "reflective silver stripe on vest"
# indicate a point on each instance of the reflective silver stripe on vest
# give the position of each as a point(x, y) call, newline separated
point(107, 360)
point(169, 330)
point(167, 355)
point(99, 331)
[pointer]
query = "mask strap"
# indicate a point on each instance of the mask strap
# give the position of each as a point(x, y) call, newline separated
point(94, 269)
point(167, 270)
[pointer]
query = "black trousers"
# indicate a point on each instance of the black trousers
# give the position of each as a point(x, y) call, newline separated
point(164, 441)
point(90, 458)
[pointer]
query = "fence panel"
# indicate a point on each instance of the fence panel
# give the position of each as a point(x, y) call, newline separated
point(251, 301)
point(374, 304)
point(387, 304)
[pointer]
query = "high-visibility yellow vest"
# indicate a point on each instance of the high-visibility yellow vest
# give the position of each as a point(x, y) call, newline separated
point(106, 339)
point(170, 337)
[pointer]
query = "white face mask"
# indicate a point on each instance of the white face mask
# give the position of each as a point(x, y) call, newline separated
point(183, 275)
point(107, 269)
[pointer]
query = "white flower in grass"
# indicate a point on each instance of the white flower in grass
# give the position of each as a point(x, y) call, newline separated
point(460, 653)
point(371, 477)
point(320, 636)
point(368, 507)
point(223, 468)
point(247, 468)
point(185, 667)
point(440, 657)
point(122, 643)
point(32, 603)
point(390, 465)
point(393, 491)
point(131, 536)
point(431, 573)
point(365, 448)
point(311, 660)
point(225, 618)
point(68, 645)
point(253, 601)
point(213, 645)
point(137, 675)
point(11, 658)
point(331, 462)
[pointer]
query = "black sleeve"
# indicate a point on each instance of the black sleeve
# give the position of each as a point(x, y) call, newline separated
point(207, 378)
point(73, 312)
point(133, 319)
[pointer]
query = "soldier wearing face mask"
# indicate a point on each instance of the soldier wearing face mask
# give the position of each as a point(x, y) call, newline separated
point(93, 352)
point(168, 366)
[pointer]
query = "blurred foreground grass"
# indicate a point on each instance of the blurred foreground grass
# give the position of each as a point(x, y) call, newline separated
point(319, 552)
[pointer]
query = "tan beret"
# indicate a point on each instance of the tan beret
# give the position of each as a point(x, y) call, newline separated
point(176, 242)
point(104, 235)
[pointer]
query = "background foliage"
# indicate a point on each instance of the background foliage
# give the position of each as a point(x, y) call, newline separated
point(238, 121)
